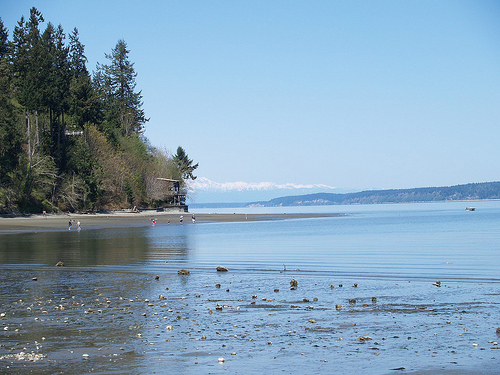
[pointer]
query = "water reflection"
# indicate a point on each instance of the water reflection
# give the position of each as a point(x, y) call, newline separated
point(106, 247)
point(170, 244)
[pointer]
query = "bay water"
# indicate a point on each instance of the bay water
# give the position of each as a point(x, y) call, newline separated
point(367, 297)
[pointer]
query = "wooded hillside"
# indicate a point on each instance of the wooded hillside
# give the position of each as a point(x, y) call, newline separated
point(71, 140)
point(477, 191)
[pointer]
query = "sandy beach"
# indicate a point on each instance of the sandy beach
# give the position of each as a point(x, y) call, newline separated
point(115, 219)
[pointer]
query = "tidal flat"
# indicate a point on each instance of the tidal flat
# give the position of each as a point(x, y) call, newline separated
point(70, 320)
point(124, 219)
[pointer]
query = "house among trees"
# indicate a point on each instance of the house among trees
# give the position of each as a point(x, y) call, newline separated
point(171, 194)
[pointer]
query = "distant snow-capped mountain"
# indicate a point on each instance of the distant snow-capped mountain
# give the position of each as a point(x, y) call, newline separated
point(203, 190)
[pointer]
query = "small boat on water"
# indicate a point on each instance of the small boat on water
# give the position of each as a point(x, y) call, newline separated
point(470, 208)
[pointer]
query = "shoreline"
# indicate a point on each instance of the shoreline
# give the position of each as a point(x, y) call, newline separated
point(118, 219)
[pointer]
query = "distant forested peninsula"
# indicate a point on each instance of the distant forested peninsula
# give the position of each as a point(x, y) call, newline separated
point(474, 191)
point(71, 140)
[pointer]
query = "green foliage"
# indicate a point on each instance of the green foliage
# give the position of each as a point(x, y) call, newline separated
point(68, 140)
point(4, 39)
point(83, 102)
point(10, 130)
point(116, 83)
point(185, 164)
point(82, 162)
point(37, 181)
point(27, 62)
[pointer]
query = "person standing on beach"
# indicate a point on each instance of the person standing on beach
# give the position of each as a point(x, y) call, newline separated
point(79, 225)
point(181, 219)
point(69, 225)
point(193, 219)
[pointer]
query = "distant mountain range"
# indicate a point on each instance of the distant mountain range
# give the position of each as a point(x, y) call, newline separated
point(475, 191)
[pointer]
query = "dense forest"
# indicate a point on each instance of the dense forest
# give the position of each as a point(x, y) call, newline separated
point(477, 191)
point(71, 140)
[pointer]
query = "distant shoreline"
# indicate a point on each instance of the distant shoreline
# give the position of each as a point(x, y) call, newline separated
point(118, 219)
point(255, 205)
point(457, 193)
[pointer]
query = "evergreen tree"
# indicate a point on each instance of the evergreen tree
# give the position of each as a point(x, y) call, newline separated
point(117, 84)
point(10, 131)
point(27, 59)
point(25, 70)
point(83, 104)
point(77, 58)
point(55, 87)
point(4, 40)
point(184, 164)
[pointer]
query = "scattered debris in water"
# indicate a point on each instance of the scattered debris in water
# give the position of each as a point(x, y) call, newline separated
point(182, 322)
point(23, 356)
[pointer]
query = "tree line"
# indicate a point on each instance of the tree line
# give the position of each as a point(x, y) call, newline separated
point(71, 140)
point(473, 191)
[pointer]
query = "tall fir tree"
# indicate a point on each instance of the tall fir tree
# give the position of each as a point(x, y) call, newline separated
point(55, 88)
point(10, 129)
point(117, 82)
point(26, 60)
point(84, 107)
point(184, 164)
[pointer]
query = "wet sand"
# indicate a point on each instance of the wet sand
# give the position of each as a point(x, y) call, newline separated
point(118, 219)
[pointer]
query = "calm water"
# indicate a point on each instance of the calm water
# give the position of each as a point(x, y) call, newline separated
point(104, 311)
point(416, 240)
point(438, 240)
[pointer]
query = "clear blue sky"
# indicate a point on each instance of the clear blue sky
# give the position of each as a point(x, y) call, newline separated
point(351, 94)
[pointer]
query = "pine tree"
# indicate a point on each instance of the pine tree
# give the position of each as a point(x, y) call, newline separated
point(10, 131)
point(26, 59)
point(4, 40)
point(116, 82)
point(83, 104)
point(185, 165)
point(56, 85)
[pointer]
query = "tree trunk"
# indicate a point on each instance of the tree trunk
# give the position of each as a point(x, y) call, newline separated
point(59, 139)
point(51, 128)
point(28, 134)
point(37, 134)
point(63, 128)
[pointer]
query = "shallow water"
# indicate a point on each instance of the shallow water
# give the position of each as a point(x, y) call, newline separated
point(103, 312)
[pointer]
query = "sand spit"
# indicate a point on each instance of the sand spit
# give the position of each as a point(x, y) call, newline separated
point(118, 219)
